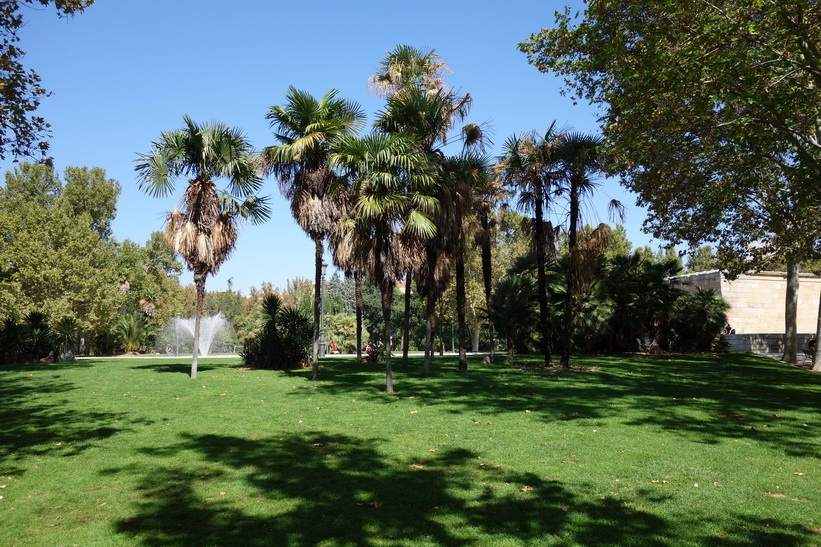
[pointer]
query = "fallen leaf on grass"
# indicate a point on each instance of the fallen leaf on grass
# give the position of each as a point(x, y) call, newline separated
point(318, 445)
point(222, 493)
point(526, 488)
point(417, 466)
point(432, 450)
point(414, 412)
point(798, 473)
point(775, 494)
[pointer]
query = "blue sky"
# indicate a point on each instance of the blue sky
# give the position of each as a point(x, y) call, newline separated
point(126, 70)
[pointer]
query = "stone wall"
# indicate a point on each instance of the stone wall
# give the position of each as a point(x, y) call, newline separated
point(764, 343)
point(757, 300)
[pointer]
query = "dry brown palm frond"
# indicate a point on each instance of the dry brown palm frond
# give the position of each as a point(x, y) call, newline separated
point(585, 255)
point(315, 213)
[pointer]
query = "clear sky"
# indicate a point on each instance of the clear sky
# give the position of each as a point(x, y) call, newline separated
point(126, 70)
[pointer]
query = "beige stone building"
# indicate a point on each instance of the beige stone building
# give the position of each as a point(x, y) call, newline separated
point(757, 305)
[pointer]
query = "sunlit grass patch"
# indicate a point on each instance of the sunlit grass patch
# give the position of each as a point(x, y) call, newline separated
point(684, 450)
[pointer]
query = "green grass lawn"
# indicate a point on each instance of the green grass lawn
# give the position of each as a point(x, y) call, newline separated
point(627, 450)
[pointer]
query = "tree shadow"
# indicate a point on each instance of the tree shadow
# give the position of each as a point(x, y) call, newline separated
point(36, 418)
point(176, 368)
point(341, 490)
point(708, 398)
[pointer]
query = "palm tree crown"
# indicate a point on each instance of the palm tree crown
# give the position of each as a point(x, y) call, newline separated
point(203, 228)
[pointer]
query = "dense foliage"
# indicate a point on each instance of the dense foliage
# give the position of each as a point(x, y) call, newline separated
point(284, 341)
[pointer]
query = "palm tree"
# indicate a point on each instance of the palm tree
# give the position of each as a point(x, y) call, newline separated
point(528, 163)
point(422, 105)
point(465, 176)
point(203, 228)
point(305, 128)
point(579, 158)
point(389, 184)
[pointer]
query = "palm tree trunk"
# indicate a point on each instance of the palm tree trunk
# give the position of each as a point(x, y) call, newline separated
point(317, 303)
point(406, 325)
point(570, 292)
point(387, 302)
point(430, 325)
point(540, 276)
point(199, 281)
point(460, 310)
point(487, 277)
point(357, 281)
point(791, 312)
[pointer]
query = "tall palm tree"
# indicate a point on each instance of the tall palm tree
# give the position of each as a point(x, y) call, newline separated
point(579, 157)
point(203, 228)
point(305, 128)
point(389, 185)
point(529, 164)
point(422, 105)
point(465, 176)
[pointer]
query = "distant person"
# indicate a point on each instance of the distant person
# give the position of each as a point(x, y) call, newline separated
point(168, 350)
point(334, 349)
point(812, 345)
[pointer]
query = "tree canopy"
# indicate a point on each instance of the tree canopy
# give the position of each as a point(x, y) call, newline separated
point(22, 132)
point(712, 111)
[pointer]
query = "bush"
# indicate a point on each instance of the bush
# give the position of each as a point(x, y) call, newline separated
point(285, 339)
point(697, 320)
point(27, 341)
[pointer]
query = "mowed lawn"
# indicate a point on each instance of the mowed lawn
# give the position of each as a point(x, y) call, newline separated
point(622, 450)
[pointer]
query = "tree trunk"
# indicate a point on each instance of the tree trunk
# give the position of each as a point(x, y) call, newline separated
point(540, 276)
point(474, 339)
point(570, 290)
point(317, 303)
point(199, 281)
point(460, 310)
point(791, 312)
point(816, 358)
point(487, 277)
point(357, 280)
point(430, 325)
point(387, 301)
point(509, 350)
point(406, 324)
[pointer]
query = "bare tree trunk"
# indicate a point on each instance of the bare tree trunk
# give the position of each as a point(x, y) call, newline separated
point(387, 301)
point(357, 280)
point(199, 281)
point(791, 312)
point(487, 277)
point(816, 358)
point(317, 300)
point(406, 325)
point(460, 310)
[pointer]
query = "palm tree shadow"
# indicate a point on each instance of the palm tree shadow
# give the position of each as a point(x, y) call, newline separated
point(178, 368)
point(313, 488)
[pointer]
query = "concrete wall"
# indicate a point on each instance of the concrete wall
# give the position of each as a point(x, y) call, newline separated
point(757, 299)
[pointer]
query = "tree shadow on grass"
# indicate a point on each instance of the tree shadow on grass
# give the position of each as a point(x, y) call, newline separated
point(708, 398)
point(311, 489)
point(36, 416)
point(176, 368)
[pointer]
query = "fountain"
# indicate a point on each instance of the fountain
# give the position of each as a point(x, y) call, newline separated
point(179, 333)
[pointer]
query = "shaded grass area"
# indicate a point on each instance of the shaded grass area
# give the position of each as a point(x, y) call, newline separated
point(623, 450)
